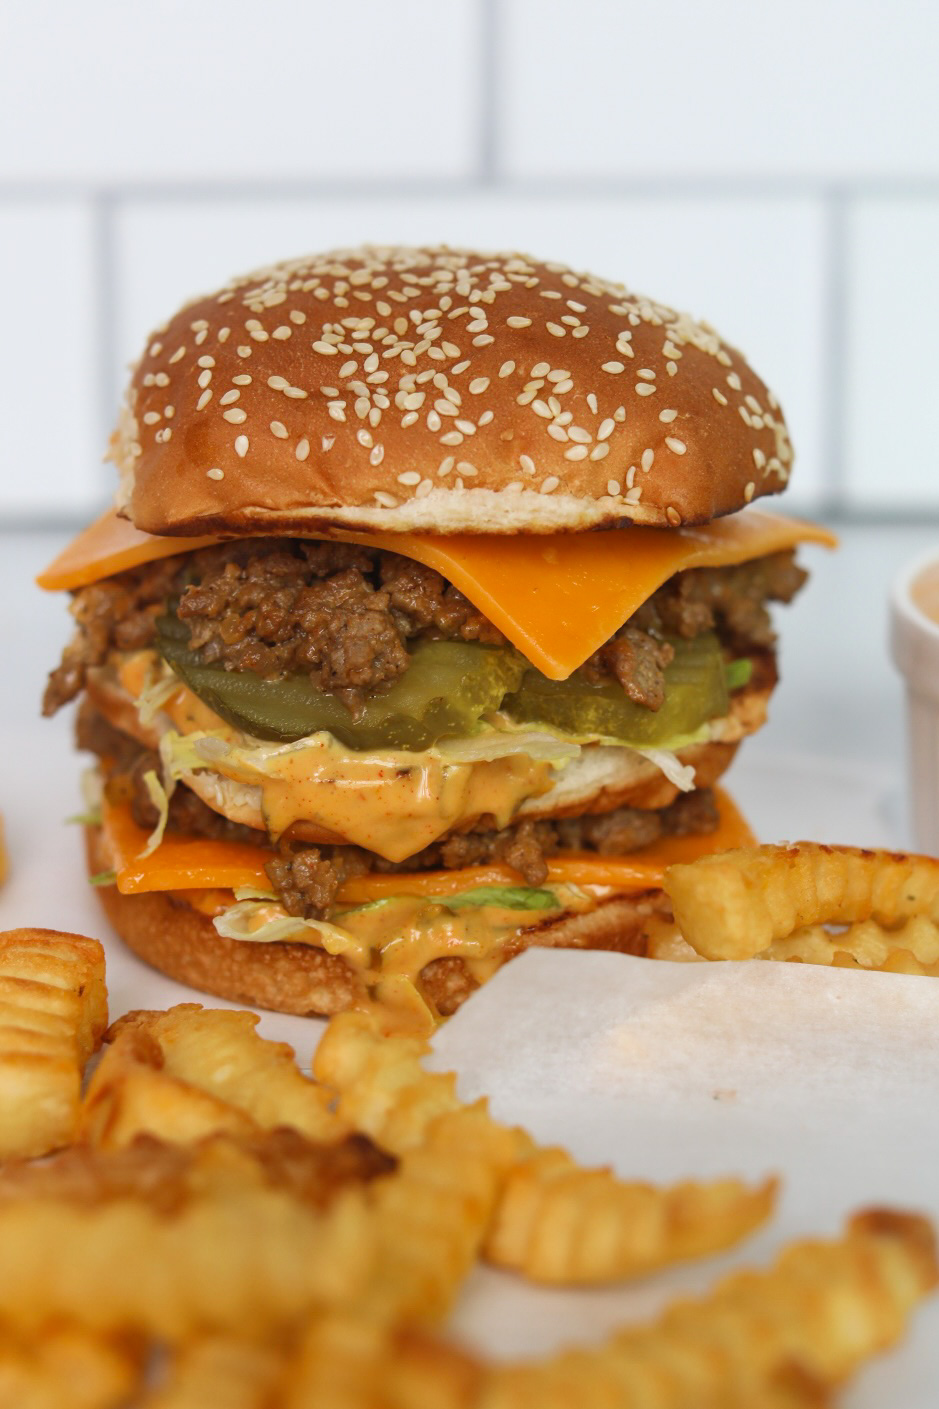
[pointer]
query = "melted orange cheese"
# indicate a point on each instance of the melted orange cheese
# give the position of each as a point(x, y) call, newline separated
point(556, 597)
point(181, 863)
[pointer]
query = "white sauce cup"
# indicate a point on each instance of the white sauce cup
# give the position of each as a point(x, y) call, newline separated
point(914, 645)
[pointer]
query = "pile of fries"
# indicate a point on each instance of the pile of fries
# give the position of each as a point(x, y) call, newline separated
point(805, 903)
point(210, 1227)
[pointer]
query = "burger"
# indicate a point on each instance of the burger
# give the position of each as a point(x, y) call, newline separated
point(428, 616)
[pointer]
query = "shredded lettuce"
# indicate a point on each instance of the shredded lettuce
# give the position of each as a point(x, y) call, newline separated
point(161, 684)
point(264, 922)
point(103, 878)
point(678, 773)
point(158, 796)
point(538, 744)
point(737, 673)
point(506, 897)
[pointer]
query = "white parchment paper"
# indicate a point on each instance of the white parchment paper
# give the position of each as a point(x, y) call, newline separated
point(829, 1078)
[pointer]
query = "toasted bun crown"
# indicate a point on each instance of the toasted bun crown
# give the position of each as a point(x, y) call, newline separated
point(414, 389)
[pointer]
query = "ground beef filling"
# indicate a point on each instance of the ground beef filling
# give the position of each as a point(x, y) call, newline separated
point(345, 615)
point(307, 878)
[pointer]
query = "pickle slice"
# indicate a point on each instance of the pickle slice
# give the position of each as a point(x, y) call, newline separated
point(695, 691)
point(446, 689)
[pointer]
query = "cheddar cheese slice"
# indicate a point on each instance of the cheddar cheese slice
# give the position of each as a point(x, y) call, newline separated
point(557, 598)
point(181, 863)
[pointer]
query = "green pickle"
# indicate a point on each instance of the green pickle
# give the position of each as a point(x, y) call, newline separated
point(446, 689)
point(695, 691)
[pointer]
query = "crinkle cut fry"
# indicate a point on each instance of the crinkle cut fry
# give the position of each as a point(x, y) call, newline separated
point(187, 1072)
point(735, 904)
point(758, 1338)
point(558, 1223)
point(910, 948)
point(220, 1372)
point(66, 1366)
point(240, 1255)
point(53, 1011)
point(602, 1228)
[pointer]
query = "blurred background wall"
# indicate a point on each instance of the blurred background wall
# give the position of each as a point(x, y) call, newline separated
point(773, 167)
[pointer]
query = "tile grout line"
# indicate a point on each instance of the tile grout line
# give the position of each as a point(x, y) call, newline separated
point(678, 187)
point(104, 256)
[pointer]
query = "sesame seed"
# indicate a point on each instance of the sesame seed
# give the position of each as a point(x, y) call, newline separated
point(326, 348)
point(205, 378)
point(518, 322)
point(550, 484)
point(215, 473)
point(556, 330)
point(467, 427)
point(377, 455)
point(557, 432)
point(178, 354)
point(337, 413)
point(465, 467)
point(644, 389)
point(759, 458)
point(423, 489)
point(646, 373)
point(229, 398)
point(673, 516)
point(203, 401)
point(613, 367)
point(282, 333)
point(541, 369)
point(678, 447)
point(452, 438)
point(719, 396)
point(279, 429)
point(619, 414)
point(385, 501)
point(327, 442)
point(409, 477)
point(733, 381)
point(541, 408)
point(485, 418)
point(667, 416)
point(562, 388)
point(576, 452)
point(749, 491)
point(478, 385)
point(600, 452)
point(648, 458)
point(151, 418)
point(445, 466)
point(607, 427)
point(242, 380)
point(612, 486)
point(527, 464)
point(592, 401)
point(409, 419)
point(483, 340)
point(235, 415)
point(580, 435)
point(364, 437)
point(244, 350)
point(507, 369)
point(580, 332)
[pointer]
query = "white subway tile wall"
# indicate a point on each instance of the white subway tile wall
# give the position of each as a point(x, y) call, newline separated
point(773, 168)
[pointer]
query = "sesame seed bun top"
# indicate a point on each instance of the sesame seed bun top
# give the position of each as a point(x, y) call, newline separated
point(413, 389)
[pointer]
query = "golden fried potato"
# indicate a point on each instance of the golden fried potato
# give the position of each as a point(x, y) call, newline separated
point(219, 1372)
point(552, 1220)
point(172, 1240)
point(774, 1338)
point(382, 1088)
point(182, 1073)
point(735, 904)
point(911, 947)
point(53, 1012)
point(556, 1222)
point(65, 1366)
point(347, 1362)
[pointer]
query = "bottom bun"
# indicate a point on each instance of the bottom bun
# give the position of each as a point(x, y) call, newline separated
point(172, 936)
